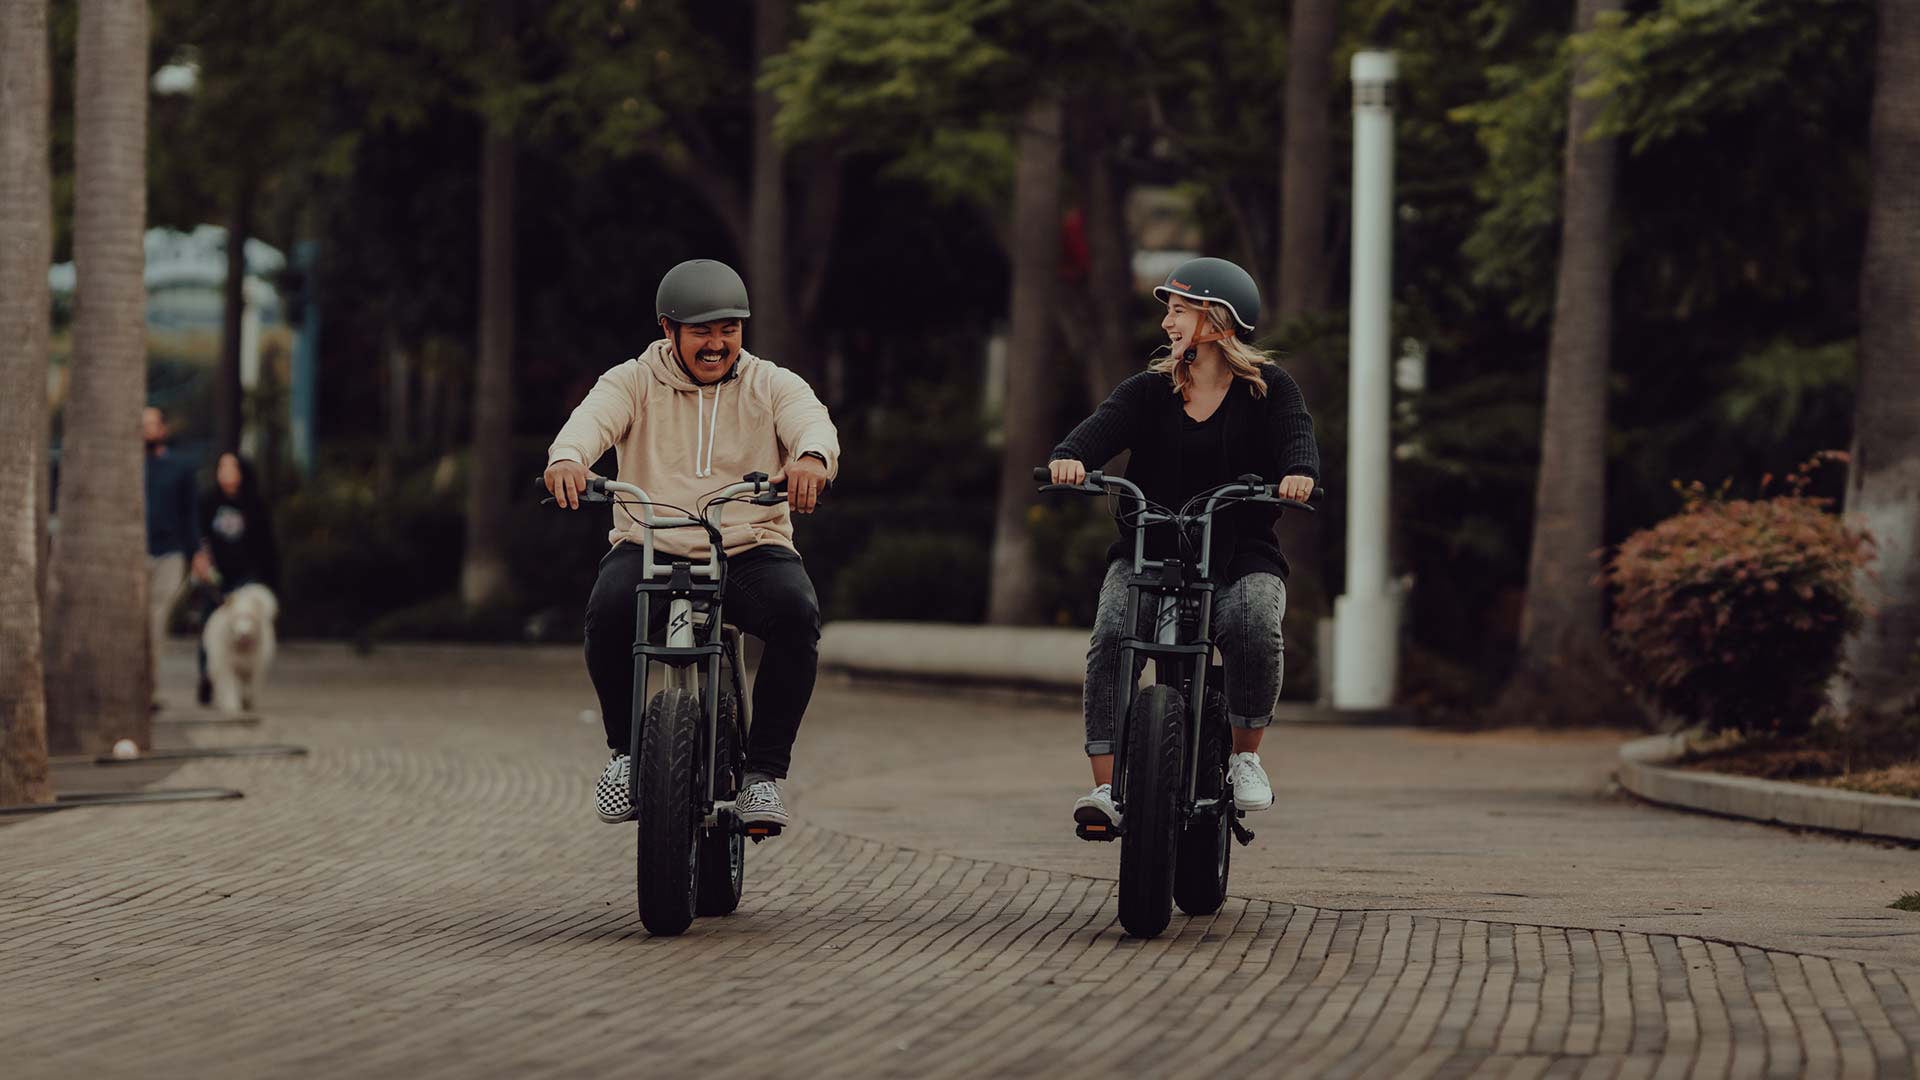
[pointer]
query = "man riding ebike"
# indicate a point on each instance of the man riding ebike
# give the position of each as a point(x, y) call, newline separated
point(691, 414)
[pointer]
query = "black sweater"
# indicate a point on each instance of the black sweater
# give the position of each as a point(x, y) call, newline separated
point(1270, 436)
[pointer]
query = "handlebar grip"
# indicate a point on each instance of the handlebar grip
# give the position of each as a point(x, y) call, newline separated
point(1042, 473)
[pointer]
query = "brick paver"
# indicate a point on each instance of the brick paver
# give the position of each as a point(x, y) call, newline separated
point(426, 895)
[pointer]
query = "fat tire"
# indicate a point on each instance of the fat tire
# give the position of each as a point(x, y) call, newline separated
point(665, 869)
point(1206, 843)
point(1151, 815)
point(723, 848)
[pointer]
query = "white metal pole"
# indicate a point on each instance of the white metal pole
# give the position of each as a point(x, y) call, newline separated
point(1366, 618)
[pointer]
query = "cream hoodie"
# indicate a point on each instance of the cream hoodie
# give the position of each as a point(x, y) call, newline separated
point(681, 440)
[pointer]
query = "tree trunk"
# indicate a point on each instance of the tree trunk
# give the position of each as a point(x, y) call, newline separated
point(1028, 413)
point(822, 178)
point(1562, 649)
point(1303, 284)
point(771, 327)
point(99, 676)
point(1883, 485)
point(483, 575)
point(1109, 268)
point(26, 247)
point(228, 404)
point(1307, 148)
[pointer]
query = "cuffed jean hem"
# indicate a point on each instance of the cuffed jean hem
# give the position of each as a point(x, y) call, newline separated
point(1248, 723)
point(1095, 749)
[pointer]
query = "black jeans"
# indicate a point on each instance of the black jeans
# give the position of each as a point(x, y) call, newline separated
point(768, 595)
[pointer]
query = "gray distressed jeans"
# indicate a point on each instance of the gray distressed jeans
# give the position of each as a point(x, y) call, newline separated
point(1246, 631)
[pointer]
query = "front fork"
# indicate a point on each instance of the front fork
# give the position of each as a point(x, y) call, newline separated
point(680, 675)
point(1166, 631)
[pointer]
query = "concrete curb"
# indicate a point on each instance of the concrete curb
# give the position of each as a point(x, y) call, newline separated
point(1031, 658)
point(1644, 772)
point(1045, 661)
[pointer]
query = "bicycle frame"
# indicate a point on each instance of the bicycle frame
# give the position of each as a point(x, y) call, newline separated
point(696, 632)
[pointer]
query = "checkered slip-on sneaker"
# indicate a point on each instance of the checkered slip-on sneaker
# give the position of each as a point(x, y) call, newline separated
point(610, 797)
point(760, 805)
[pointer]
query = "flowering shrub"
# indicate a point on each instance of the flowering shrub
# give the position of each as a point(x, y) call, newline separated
point(1733, 612)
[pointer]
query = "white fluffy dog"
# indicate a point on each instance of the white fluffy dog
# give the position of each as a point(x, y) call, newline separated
point(239, 642)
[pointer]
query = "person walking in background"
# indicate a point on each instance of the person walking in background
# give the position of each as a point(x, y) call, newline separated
point(236, 541)
point(172, 529)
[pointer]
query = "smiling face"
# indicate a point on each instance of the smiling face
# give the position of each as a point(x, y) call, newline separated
point(709, 350)
point(1182, 323)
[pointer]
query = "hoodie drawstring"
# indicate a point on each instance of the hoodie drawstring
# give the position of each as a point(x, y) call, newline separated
point(706, 430)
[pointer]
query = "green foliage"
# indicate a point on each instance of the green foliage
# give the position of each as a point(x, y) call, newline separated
point(620, 79)
point(349, 555)
point(903, 574)
point(1677, 70)
point(890, 72)
point(1733, 612)
point(1522, 130)
point(447, 618)
point(1071, 535)
point(931, 84)
point(1780, 388)
point(361, 557)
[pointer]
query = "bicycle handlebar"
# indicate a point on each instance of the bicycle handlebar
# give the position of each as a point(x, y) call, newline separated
point(1248, 488)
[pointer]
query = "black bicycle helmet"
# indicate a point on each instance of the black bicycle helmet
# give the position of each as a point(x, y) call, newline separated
point(1216, 281)
point(701, 291)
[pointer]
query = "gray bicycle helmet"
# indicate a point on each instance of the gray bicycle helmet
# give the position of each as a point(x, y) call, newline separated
point(1216, 281)
point(701, 291)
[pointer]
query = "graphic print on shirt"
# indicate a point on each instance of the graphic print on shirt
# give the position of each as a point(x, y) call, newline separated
point(230, 524)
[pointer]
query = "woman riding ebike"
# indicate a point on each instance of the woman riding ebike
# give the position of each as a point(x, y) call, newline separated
point(1211, 427)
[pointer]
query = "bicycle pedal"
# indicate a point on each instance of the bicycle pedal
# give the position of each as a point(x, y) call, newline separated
point(761, 830)
point(1100, 833)
point(1241, 832)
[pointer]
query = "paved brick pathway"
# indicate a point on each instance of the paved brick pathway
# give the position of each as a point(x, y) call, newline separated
point(426, 895)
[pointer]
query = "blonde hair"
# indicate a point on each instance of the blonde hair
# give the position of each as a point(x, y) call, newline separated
point(1243, 360)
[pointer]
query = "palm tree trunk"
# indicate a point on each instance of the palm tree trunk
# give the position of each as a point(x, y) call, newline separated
point(99, 677)
point(483, 574)
point(1560, 628)
point(26, 247)
point(1883, 486)
point(1306, 149)
point(1028, 413)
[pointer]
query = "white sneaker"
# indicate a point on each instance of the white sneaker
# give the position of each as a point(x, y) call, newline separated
point(610, 799)
point(1251, 791)
point(760, 804)
point(1096, 808)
